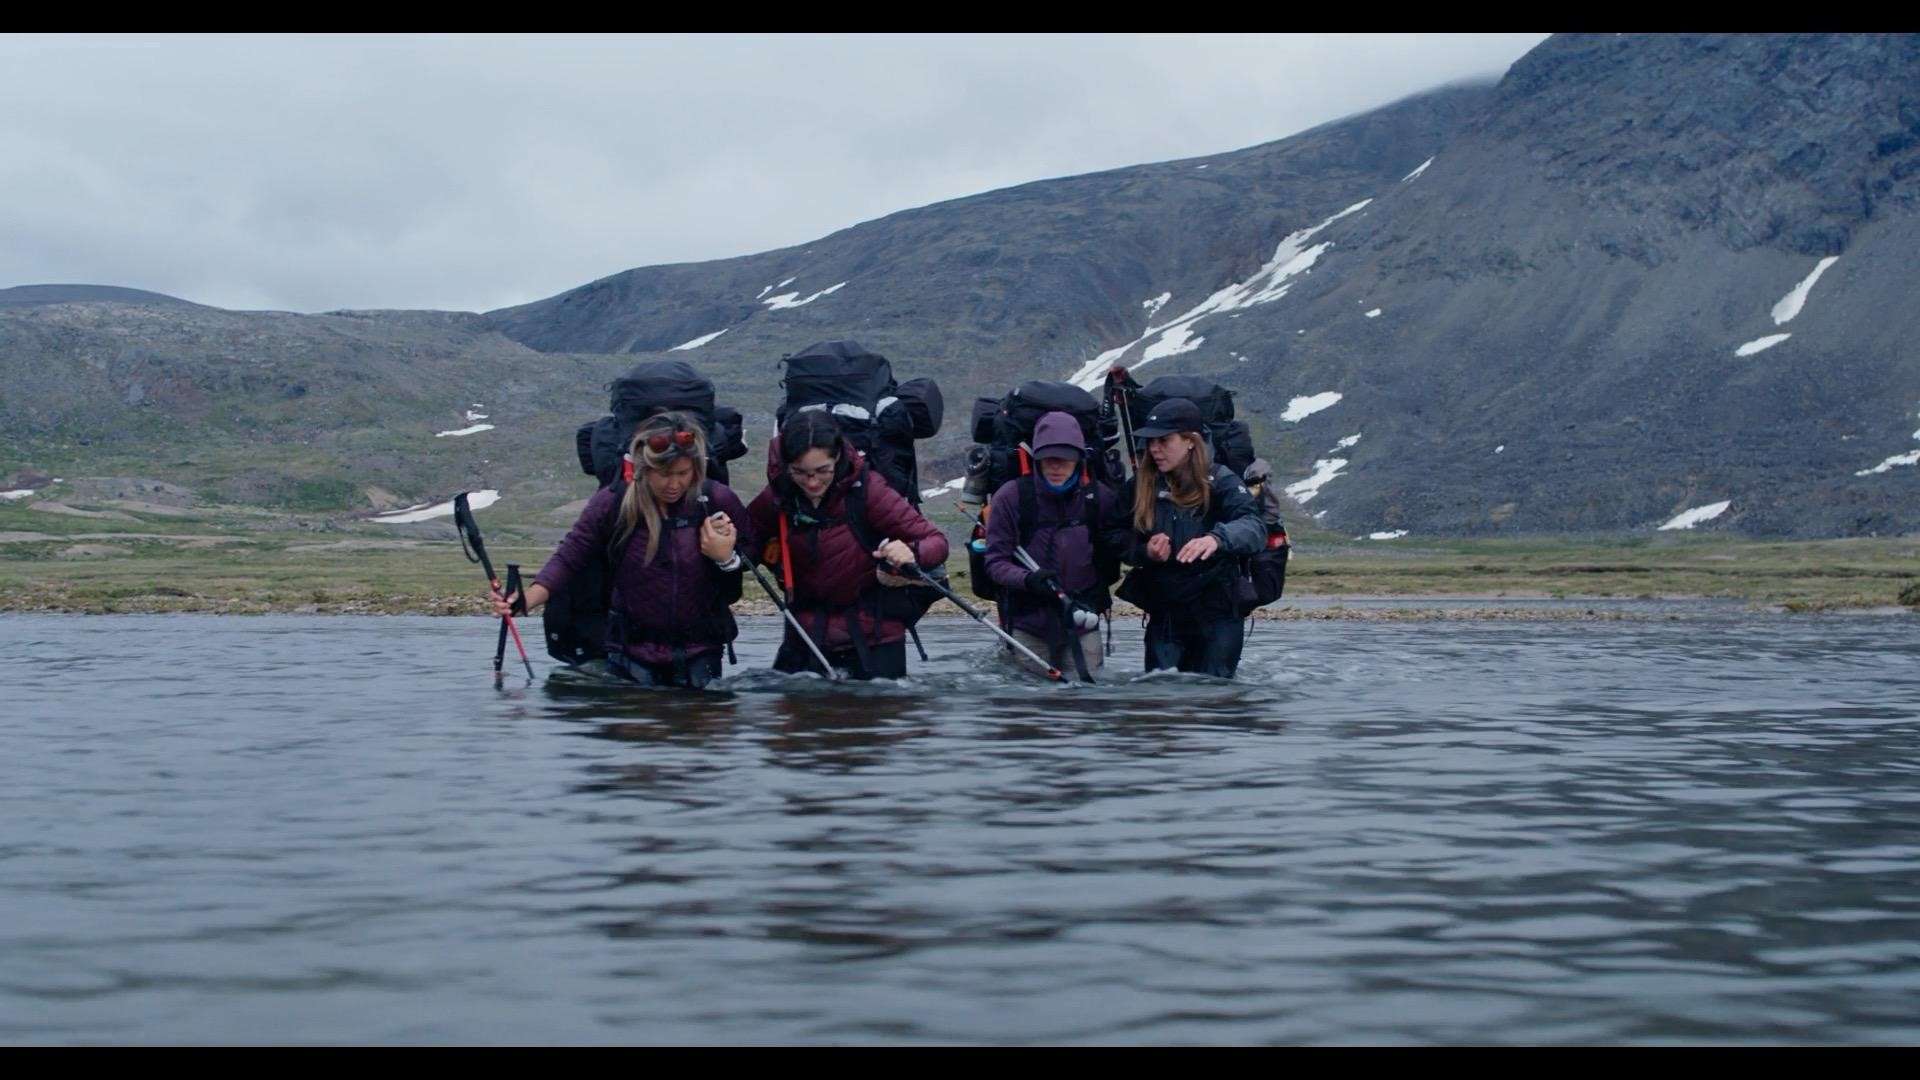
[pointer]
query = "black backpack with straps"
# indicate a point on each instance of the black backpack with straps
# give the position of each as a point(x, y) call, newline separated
point(1003, 428)
point(1231, 439)
point(647, 389)
point(881, 417)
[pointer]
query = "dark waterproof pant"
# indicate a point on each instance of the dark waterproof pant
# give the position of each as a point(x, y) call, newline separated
point(693, 673)
point(887, 661)
point(1202, 646)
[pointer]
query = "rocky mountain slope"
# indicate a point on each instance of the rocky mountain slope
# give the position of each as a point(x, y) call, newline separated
point(1641, 276)
point(1640, 281)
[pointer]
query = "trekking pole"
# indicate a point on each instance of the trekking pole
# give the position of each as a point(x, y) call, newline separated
point(912, 571)
point(512, 586)
point(760, 576)
point(476, 551)
point(1117, 395)
point(1070, 615)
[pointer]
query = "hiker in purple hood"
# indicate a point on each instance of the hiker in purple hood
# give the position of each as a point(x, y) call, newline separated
point(673, 538)
point(1072, 527)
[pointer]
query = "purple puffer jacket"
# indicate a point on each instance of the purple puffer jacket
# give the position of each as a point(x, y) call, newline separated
point(679, 598)
point(1062, 542)
point(833, 573)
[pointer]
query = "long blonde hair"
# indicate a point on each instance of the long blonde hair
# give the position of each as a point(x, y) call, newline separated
point(1190, 483)
point(638, 504)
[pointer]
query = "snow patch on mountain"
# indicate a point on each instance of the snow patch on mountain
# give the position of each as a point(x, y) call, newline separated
point(1894, 462)
point(1790, 304)
point(1178, 340)
point(792, 300)
point(1688, 519)
point(1302, 407)
point(476, 500)
point(1759, 345)
point(1324, 470)
point(699, 341)
point(1267, 284)
point(952, 485)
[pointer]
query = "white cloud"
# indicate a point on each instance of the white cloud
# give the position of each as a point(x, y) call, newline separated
point(321, 172)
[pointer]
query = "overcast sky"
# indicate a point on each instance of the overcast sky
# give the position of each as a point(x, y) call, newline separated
point(317, 173)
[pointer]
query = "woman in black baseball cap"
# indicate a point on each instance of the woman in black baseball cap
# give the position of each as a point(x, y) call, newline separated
point(1193, 520)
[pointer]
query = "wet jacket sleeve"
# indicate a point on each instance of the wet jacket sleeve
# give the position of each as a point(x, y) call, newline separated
point(583, 542)
point(746, 534)
point(1240, 530)
point(1003, 535)
point(892, 517)
point(731, 583)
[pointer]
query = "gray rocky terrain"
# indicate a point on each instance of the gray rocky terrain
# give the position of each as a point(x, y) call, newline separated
point(1637, 276)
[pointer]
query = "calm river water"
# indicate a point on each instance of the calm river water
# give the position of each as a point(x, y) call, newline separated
point(1696, 828)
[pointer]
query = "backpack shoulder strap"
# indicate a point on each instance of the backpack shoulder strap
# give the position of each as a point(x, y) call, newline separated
point(1029, 508)
point(856, 510)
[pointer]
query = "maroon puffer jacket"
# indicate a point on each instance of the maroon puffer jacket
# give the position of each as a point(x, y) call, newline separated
point(832, 571)
point(680, 598)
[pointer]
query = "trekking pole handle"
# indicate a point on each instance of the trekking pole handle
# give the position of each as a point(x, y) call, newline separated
point(470, 536)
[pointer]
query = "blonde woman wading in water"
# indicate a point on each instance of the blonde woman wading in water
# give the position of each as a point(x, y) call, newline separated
point(671, 539)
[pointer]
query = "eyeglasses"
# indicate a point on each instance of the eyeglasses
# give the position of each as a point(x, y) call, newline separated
point(659, 441)
point(821, 473)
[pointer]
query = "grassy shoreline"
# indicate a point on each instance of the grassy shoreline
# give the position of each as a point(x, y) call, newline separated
point(240, 572)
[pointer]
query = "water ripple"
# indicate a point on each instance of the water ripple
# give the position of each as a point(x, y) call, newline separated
point(337, 830)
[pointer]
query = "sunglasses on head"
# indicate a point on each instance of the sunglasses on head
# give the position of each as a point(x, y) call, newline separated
point(660, 441)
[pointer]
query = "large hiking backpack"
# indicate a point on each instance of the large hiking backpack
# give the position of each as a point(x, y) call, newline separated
point(575, 618)
point(1003, 428)
point(1231, 440)
point(1266, 573)
point(881, 417)
point(649, 388)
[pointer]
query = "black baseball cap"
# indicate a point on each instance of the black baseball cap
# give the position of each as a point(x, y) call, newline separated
point(1171, 415)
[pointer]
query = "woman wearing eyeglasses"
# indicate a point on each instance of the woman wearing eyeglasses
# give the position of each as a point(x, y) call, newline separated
point(671, 538)
point(837, 522)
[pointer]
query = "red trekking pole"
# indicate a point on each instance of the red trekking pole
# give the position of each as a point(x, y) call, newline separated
point(476, 551)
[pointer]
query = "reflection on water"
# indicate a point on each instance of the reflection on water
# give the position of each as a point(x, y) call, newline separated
point(315, 830)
